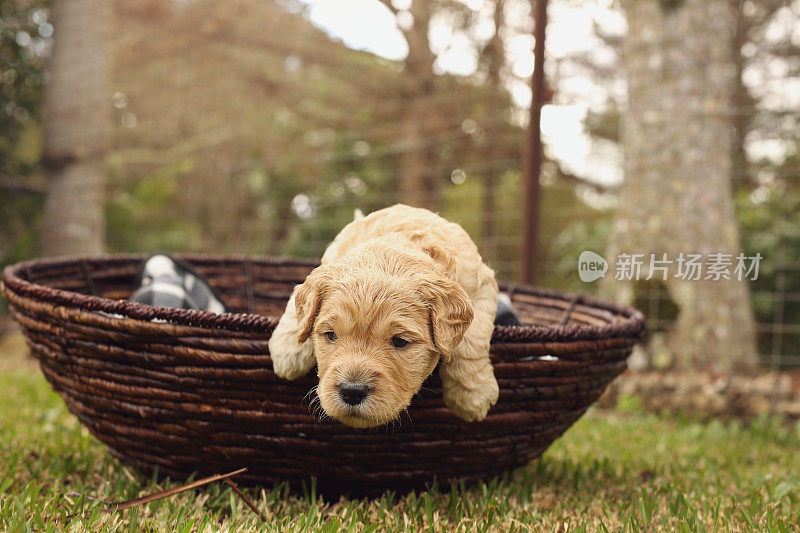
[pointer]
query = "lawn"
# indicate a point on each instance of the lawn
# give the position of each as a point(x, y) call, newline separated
point(611, 471)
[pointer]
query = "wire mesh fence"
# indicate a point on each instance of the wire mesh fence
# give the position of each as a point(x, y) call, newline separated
point(241, 127)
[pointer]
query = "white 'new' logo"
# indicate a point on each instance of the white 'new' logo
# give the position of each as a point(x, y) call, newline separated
point(591, 266)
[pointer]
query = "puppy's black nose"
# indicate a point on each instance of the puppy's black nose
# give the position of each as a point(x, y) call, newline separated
point(353, 393)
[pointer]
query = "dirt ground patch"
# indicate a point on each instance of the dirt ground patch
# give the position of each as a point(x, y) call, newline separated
point(707, 394)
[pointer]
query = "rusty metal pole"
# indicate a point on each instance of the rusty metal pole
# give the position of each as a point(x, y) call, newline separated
point(533, 152)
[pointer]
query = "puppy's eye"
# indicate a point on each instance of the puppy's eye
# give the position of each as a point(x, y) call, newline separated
point(331, 336)
point(399, 342)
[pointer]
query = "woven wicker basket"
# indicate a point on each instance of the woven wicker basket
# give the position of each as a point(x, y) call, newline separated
point(189, 391)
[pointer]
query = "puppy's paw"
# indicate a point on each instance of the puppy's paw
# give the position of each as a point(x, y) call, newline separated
point(295, 364)
point(290, 360)
point(471, 404)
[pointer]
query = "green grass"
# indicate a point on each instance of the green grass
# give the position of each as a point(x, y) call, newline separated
point(618, 471)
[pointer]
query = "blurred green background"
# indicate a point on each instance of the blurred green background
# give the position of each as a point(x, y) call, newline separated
point(258, 127)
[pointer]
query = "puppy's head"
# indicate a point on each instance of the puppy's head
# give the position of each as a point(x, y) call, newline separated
point(379, 323)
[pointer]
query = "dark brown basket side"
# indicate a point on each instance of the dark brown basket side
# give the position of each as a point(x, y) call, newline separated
point(190, 391)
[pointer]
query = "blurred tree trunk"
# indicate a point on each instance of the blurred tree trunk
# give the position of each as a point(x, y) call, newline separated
point(677, 192)
point(416, 165)
point(77, 128)
point(495, 59)
point(742, 101)
point(751, 17)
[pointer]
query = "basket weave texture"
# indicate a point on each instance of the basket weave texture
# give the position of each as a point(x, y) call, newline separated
point(189, 391)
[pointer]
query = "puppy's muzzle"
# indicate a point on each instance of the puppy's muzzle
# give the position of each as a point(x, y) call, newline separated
point(353, 393)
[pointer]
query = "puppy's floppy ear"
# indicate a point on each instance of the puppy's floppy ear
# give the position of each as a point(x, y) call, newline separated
point(308, 300)
point(450, 313)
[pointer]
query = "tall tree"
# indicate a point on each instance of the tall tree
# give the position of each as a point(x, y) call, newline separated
point(677, 193)
point(753, 50)
point(77, 127)
point(495, 58)
point(417, 88)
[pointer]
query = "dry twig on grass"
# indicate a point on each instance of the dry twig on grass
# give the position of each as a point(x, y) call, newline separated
point(166, 493)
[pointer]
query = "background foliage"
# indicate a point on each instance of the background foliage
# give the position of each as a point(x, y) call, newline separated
point(260, 134)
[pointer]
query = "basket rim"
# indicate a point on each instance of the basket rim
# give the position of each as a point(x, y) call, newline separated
point(630, 321)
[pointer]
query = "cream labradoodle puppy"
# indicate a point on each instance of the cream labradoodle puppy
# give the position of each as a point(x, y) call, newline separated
point(396, 292)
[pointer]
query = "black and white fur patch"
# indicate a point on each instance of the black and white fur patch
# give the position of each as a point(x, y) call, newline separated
point(506, 314)
point(167, 282)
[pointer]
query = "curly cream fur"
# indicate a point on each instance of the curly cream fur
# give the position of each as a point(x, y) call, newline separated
point(400, 271)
